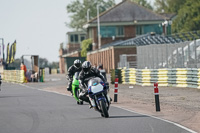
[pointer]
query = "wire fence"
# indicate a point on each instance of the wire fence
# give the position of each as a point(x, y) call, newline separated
point(178, 55)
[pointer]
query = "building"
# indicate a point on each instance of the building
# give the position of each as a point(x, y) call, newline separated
point(125, 21)
point(74, 40)
point(72, 49)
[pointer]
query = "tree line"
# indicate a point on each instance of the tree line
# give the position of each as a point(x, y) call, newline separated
point(187, 12)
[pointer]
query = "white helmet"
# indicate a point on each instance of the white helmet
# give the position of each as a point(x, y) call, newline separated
point(77, 63)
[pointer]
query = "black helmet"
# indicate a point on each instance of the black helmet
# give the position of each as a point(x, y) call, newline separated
point(77, 63)
point(86, 66)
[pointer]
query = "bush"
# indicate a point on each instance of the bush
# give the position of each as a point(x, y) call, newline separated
point(86, 46)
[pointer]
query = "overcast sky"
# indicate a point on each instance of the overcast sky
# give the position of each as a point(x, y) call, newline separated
point(37, 25)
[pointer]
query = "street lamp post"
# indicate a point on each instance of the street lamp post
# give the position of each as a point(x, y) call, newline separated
point(98, 23)
point(88, 15)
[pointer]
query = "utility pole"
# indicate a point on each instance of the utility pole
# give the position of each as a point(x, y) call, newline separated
point(98, 23)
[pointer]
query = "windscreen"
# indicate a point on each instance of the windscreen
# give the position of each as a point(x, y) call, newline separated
point(94, 81)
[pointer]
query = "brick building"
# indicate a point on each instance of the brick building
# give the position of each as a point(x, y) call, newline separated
point(72, 49)
point(74, 40)
point(122, 22)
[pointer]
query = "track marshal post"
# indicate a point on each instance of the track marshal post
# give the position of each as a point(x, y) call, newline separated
point(116, 90)
point(156, 93)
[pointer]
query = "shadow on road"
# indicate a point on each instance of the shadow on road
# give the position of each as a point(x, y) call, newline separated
point(128, 116)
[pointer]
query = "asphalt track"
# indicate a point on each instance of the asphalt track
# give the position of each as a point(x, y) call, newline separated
point(28, 109)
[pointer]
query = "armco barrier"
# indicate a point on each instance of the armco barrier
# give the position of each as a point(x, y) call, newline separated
point(125, 76)
point(13, 76)
point(146, 77)
point(162, 77)
point(198, 80)
point(179, 77)
point(132, 76)
point(139, 76)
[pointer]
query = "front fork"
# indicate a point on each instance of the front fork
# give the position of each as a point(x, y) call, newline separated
point(96, 105)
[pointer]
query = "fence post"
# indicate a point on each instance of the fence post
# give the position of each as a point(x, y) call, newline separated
point(156, 93)
point(116, 90)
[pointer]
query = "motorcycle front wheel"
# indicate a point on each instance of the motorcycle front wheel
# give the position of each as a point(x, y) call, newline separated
point(104, 109)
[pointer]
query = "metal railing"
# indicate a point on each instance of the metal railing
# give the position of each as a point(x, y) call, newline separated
point(178, 55)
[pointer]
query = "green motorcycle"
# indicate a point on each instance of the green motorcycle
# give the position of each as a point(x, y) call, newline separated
point(75, 88)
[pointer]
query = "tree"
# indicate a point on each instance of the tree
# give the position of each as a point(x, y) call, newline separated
point(43, 62)
point(188, 18)
point(188, 13)
point(54, 65)
point(16, 64)
point(78, 10)
point(143, 3)
point(168, 6)
point(86, 46)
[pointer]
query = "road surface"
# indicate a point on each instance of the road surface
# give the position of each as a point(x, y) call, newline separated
point(28, 109)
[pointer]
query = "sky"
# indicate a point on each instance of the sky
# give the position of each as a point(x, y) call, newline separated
point(38, 26)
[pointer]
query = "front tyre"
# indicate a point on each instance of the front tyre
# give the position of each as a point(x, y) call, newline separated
point(104, 109)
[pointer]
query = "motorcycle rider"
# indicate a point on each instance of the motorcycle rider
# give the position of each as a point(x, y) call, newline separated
point(85, 74)
point(102, 71)
point(76, 67)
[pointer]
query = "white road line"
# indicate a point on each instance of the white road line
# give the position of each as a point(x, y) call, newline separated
point(187, 129)
point(176, 124)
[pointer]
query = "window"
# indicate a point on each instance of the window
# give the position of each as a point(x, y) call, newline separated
point(71, 38)
point(74, 38)
point(82, 38)
point(120, 31)
point(109, 31)
point(144, 29)
point(139, 30)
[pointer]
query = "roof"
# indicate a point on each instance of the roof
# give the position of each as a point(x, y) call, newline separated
point(168, 15)
point(152, 38)
point(128, 11)
point(76, 32)
point(146, 39)
point(111, 44)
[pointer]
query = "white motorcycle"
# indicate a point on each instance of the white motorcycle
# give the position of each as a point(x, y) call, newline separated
point(98, 95)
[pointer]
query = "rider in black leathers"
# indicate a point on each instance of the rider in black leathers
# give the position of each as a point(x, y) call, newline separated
point(76, 67)
point(85, 74)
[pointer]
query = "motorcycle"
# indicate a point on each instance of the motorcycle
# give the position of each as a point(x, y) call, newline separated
point(75, 88)
point(98, 96)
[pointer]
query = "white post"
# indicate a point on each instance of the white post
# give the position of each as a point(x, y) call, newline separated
point(98, 23)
